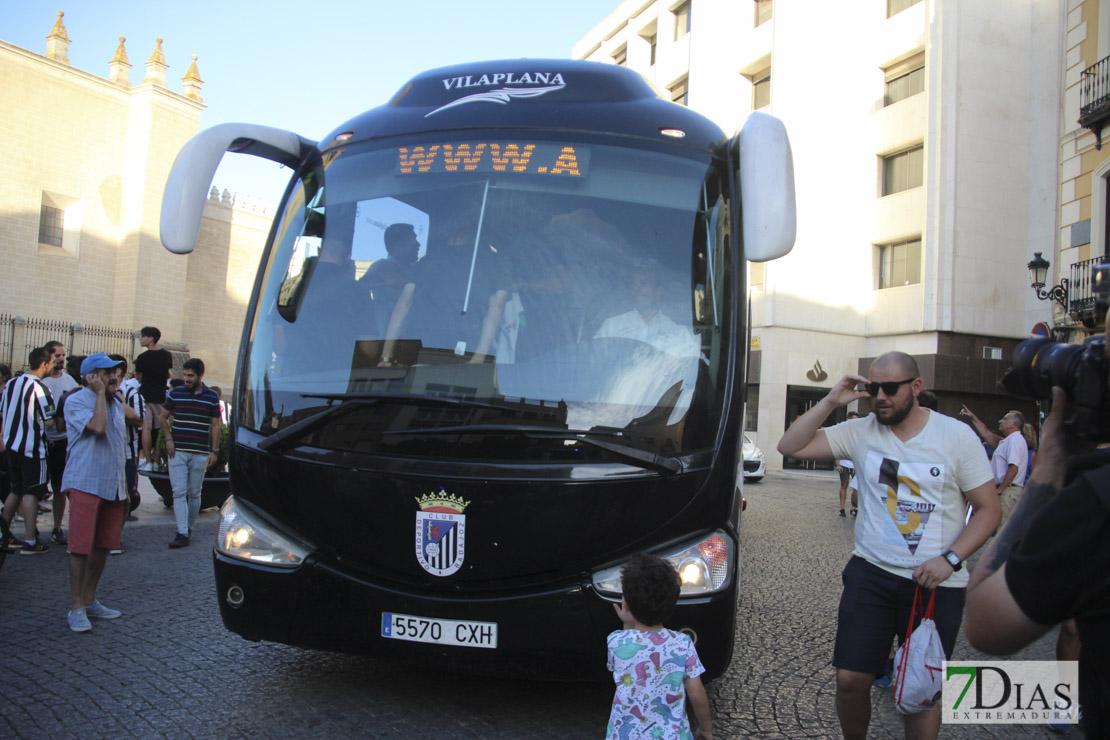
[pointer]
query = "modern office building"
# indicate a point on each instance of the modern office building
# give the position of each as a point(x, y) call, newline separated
point(926, 177)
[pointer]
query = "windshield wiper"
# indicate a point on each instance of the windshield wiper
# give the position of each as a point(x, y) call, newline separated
point(288, 437)
point(620, 449)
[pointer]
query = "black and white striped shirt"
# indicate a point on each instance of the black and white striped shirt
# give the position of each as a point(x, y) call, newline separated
point(24, 410)
point(133, 398)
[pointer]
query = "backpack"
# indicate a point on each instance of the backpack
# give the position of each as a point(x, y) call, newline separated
point(919, 662)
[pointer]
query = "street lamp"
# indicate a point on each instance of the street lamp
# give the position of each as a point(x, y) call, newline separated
point(1038, 271)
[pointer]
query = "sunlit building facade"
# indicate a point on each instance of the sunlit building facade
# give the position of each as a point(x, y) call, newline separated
point(924, 171)
point(1084, 237)
point(88, 156)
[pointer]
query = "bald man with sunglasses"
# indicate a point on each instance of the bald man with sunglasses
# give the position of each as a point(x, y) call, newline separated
point(917, 470)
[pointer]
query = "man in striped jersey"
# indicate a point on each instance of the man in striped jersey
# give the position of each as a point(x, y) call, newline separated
point(134, 399)
point(191, 423)
point(27, 410)
point(58, 382)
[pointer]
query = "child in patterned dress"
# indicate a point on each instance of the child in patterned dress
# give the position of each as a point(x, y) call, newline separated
point(655, 669)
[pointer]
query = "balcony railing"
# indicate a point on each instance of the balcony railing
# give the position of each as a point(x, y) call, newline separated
point(1081, 293)
point(1094, 98)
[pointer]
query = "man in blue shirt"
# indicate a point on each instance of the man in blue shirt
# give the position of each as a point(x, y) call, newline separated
point(96, 483)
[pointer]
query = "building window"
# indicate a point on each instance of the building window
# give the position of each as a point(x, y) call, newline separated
point(905, 79)
point(680, 92)
point(652, 40)
point(762, 11)
point(51, 221)
point(59, 225)
point(761, 90)
point(904, 170)
point(682, 20)
point(900, 264)
point(751, 409)
point(620, 56)
point(894, 7)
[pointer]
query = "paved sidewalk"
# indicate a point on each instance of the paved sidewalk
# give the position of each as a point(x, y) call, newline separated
point(168, 668)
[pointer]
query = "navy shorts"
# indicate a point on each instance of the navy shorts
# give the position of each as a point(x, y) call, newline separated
point(875, 606)
point(56, 462)
point(28, 475)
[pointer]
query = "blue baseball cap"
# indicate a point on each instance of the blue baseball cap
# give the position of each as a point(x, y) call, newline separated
point(96, 362)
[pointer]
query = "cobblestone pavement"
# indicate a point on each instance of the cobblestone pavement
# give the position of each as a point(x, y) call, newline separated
point(169, 669)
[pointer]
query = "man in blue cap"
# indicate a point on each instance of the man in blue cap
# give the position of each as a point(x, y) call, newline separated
point(95, 481)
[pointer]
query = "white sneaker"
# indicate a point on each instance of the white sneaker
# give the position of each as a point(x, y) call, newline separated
point(147, 465)
point(98, 610)
point(78, 621)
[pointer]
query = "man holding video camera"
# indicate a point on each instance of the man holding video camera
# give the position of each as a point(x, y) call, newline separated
point(1051, 562)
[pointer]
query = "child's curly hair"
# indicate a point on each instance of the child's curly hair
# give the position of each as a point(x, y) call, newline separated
point(650, 586)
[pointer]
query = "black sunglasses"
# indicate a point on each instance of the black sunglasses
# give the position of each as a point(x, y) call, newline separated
point(890, 388)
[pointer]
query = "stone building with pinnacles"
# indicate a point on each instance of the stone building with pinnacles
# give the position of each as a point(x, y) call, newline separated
point(87, 158)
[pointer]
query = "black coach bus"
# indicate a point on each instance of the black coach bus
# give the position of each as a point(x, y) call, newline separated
point(444, 451)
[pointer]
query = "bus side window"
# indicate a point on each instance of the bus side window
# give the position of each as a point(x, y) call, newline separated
point(302, 230)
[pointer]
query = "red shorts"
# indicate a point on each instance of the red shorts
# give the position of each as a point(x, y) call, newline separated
point(94, 522)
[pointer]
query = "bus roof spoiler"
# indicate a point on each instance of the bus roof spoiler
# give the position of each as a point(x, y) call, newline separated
point(768, 210)
point(191, 175)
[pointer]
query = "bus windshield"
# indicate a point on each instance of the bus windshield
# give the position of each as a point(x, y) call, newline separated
point(569, 285)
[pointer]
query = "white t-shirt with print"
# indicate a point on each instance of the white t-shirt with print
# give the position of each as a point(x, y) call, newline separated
point(911, 502)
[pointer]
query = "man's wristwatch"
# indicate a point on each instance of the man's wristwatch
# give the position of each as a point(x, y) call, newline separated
point(953, 559)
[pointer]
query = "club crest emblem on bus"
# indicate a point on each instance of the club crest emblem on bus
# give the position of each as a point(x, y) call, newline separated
point(441, 533)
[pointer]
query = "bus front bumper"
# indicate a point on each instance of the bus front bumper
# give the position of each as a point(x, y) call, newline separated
point(554, 634)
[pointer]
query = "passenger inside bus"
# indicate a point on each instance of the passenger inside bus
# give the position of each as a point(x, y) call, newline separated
point(646, 321)
point(386, 278)
point(454, 302)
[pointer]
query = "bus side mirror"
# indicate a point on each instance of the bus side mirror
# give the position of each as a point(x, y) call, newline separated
point(766, 168)
point(191, 175)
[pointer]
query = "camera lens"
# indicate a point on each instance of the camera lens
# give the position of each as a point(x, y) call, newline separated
point(1040, 364)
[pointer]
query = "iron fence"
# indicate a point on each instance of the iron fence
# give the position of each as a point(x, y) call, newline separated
point(7, 329)
point(40, 331)
point(19, 335)
point(109, 340)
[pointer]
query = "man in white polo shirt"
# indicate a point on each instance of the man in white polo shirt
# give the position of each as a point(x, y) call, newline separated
point(1010, 459)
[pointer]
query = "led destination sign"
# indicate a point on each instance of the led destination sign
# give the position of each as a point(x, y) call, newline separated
point(494, 156)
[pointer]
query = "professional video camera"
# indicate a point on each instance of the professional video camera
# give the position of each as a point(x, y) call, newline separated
point(1080, 369)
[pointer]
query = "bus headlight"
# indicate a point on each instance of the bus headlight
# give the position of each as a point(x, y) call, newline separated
point(703, 566)
point(248, 536)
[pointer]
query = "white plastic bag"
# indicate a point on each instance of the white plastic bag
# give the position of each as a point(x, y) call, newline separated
point(918, 664)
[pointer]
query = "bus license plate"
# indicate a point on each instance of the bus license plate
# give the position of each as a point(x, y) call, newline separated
point(439, 631)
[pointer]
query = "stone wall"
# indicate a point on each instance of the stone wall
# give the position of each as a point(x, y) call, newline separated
point(99, 150)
